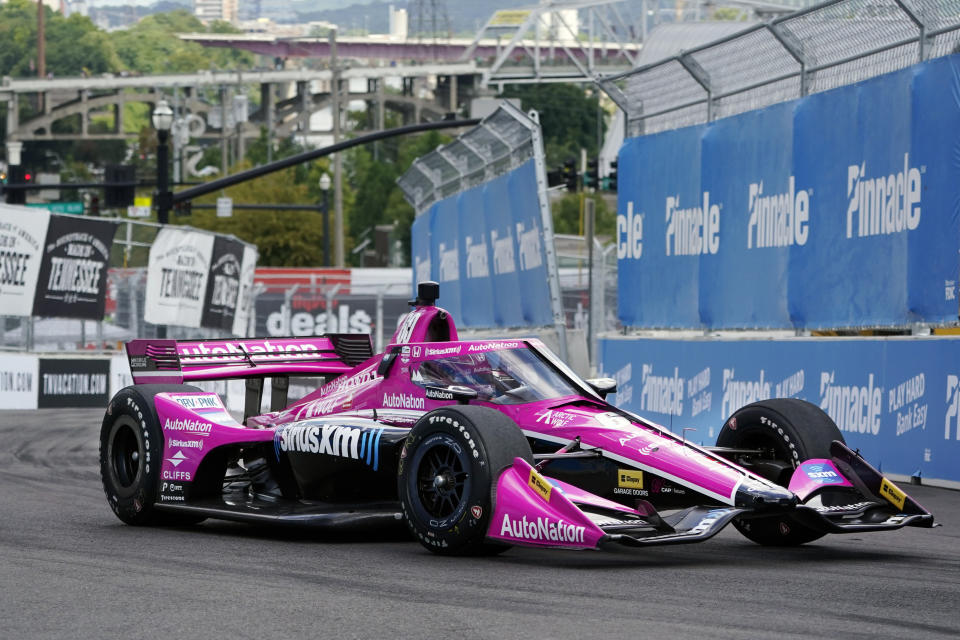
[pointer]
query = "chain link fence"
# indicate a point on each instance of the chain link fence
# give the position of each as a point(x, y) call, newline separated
point(825, 46)
point(500, 144)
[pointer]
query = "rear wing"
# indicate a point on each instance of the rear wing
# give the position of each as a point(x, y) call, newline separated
point(175, 362)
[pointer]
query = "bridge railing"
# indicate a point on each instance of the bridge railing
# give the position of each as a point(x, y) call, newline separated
point(828, 45)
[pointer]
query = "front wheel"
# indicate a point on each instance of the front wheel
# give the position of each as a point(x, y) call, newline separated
point(448, 471)
point(790, 431)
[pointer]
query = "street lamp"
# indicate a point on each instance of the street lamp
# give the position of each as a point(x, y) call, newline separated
point(325, 188)
point(162, 121)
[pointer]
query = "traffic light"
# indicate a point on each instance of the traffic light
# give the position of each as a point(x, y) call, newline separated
point(94, 206)
point(570, 175)
point(555, 177)
point(181, 209)
point(591, 177)
point(16, 174)
point(120, 190)
point(612, 176)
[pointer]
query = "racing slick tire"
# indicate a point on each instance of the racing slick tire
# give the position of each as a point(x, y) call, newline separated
point(447, 476)
point(131, 452)
point(795, 430)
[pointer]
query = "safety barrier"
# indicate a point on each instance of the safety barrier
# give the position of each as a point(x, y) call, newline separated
point(895, 399)
point(483, 228)
point(838, 209)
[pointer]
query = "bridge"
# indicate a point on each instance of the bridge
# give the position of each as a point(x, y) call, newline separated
point(92, 108)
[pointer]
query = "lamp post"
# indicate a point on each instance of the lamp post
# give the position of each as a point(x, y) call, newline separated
point(325, 188)
point(162, 121)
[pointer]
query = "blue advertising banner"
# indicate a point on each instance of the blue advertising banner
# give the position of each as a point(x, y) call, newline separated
point(658, 264)
point(839, 209)
point(483, 242)
point(896, 399)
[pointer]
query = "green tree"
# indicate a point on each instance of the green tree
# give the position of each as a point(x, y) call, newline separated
point(568, 117)
point(153, 46)
point(71, 43)
point(568, 213)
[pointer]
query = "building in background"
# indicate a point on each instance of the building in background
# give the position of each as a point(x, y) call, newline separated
point(211, 10)
point(398, 23)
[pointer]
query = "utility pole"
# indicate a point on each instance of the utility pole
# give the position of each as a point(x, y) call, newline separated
point(337, 159)
point(41, 42)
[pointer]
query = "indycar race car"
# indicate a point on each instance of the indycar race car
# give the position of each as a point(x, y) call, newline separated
point(477, 445)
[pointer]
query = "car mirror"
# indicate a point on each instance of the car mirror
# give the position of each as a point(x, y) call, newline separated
point(463, 395)
point(603, 386)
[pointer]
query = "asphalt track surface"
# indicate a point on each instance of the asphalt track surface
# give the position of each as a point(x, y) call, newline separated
point(70, 569)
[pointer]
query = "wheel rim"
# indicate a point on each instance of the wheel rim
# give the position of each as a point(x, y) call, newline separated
point(126, 454)
point(441, 480)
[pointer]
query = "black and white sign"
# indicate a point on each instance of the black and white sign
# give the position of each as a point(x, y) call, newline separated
point(72, 280)
point(18, 381)
point(223, 284)
point(77, 382)
point(177, 276)
point(200, 279)
point(22, 235)
point(248, 268)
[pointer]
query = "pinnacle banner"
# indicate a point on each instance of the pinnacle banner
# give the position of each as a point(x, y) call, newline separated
point(840, 209)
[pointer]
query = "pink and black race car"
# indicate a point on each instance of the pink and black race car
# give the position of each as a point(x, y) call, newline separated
point(476, 445)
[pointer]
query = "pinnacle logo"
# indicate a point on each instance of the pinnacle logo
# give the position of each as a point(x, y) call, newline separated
point(777, 220)
point(177, 458)
point(477, 266)
point(952, 419)
point(630, 235)
point(662, 394)
point(503, 258)
point(449, 263)
point(692, 231)
point(531, 252)
point(883, 205)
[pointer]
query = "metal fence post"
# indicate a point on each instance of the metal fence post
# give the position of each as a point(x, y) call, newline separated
point(380, 319)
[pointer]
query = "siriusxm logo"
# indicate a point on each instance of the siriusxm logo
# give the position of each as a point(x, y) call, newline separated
point(822, 473)
point(692, 231)
point(885, 204)
point(342, 441)
point(777, 220)
point(630, 235)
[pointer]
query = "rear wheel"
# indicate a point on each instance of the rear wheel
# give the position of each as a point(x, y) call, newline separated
point(448, 472)
point(131, 450)
point(790, 431)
